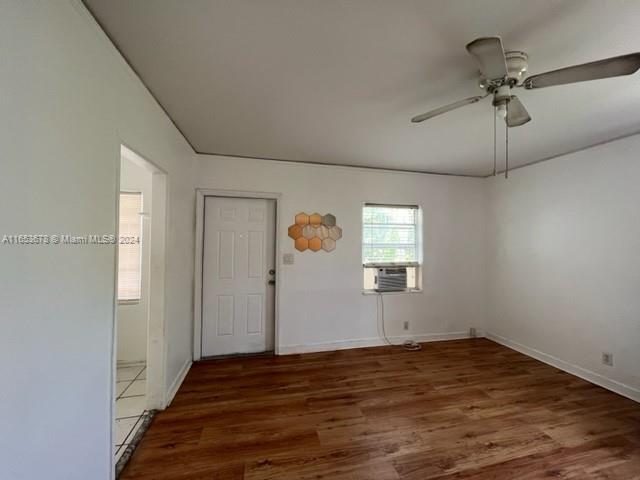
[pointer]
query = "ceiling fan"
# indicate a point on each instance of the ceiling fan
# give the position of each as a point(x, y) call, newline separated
point(501, 71)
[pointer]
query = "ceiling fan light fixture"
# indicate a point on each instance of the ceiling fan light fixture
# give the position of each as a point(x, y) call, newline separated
point(501, 111)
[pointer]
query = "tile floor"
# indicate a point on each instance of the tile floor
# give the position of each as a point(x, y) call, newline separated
point(131, 404)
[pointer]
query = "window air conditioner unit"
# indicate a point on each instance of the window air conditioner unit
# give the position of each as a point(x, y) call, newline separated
point(391, 279)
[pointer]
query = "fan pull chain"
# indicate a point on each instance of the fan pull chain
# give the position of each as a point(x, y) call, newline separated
point(506, 151)
point(495, 113)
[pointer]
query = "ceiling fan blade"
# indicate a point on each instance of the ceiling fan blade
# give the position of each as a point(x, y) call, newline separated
point(516, 113)
point(489, 54)
point(609, 67)
point(446, 108)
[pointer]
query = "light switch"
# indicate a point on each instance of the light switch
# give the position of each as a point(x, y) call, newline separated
point(287, 259)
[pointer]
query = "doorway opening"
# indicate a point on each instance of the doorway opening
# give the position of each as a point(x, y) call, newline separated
point(236, 274)
point(138, 339)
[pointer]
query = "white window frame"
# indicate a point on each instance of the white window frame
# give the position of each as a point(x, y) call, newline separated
point(417, 265)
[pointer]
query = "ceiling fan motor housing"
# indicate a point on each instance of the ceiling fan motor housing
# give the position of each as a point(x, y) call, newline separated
point(517, 65)
point(501, 95)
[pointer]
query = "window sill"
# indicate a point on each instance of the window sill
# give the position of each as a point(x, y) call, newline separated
point(400, 292)
point(128, 302)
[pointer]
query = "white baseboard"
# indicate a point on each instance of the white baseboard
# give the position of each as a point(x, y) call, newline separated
point(370, 342)
point(173, 389)
point(588, 375)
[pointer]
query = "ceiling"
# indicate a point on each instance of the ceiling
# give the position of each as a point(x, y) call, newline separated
point(336, 81)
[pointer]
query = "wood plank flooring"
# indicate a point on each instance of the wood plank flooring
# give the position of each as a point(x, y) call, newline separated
point(467, 409)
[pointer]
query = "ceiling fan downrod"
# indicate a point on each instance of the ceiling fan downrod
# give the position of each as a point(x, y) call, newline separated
point(501, 99)
point(506, 151)
point(497, 113)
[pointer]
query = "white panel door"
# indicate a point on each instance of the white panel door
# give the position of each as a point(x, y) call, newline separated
point(238, 274)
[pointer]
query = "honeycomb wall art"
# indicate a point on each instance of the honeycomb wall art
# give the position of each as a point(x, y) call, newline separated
point(315, 232)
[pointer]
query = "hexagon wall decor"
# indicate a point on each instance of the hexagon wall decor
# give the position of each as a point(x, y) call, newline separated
point(315, 244)
point(295, 231)
point(301, 244)
point(328, 244)
point(302, 219)
point(308, 232)
point(329, 220)
point(322, 232)
point(335, 233)
point(315, 232)
point(315, 219)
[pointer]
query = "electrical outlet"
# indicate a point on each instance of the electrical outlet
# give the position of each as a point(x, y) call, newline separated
point(607, 358)
point(406, 325)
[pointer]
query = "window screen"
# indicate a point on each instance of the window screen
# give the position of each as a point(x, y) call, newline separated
point(390, 234)
point(129, 253)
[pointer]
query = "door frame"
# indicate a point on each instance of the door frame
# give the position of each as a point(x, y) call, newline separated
point(156, 336)
point(201, 194)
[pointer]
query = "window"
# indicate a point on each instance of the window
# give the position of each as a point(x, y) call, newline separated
point(391, 237)
point(129, 251)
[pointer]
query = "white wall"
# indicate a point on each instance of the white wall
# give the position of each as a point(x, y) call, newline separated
point(68, 101)
point(321, 305)
point(132, 317)
point(565, 262)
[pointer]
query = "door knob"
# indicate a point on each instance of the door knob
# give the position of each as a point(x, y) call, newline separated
point(272, 272)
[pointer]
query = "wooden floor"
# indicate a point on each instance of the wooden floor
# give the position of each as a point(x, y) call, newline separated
point(468, 409)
